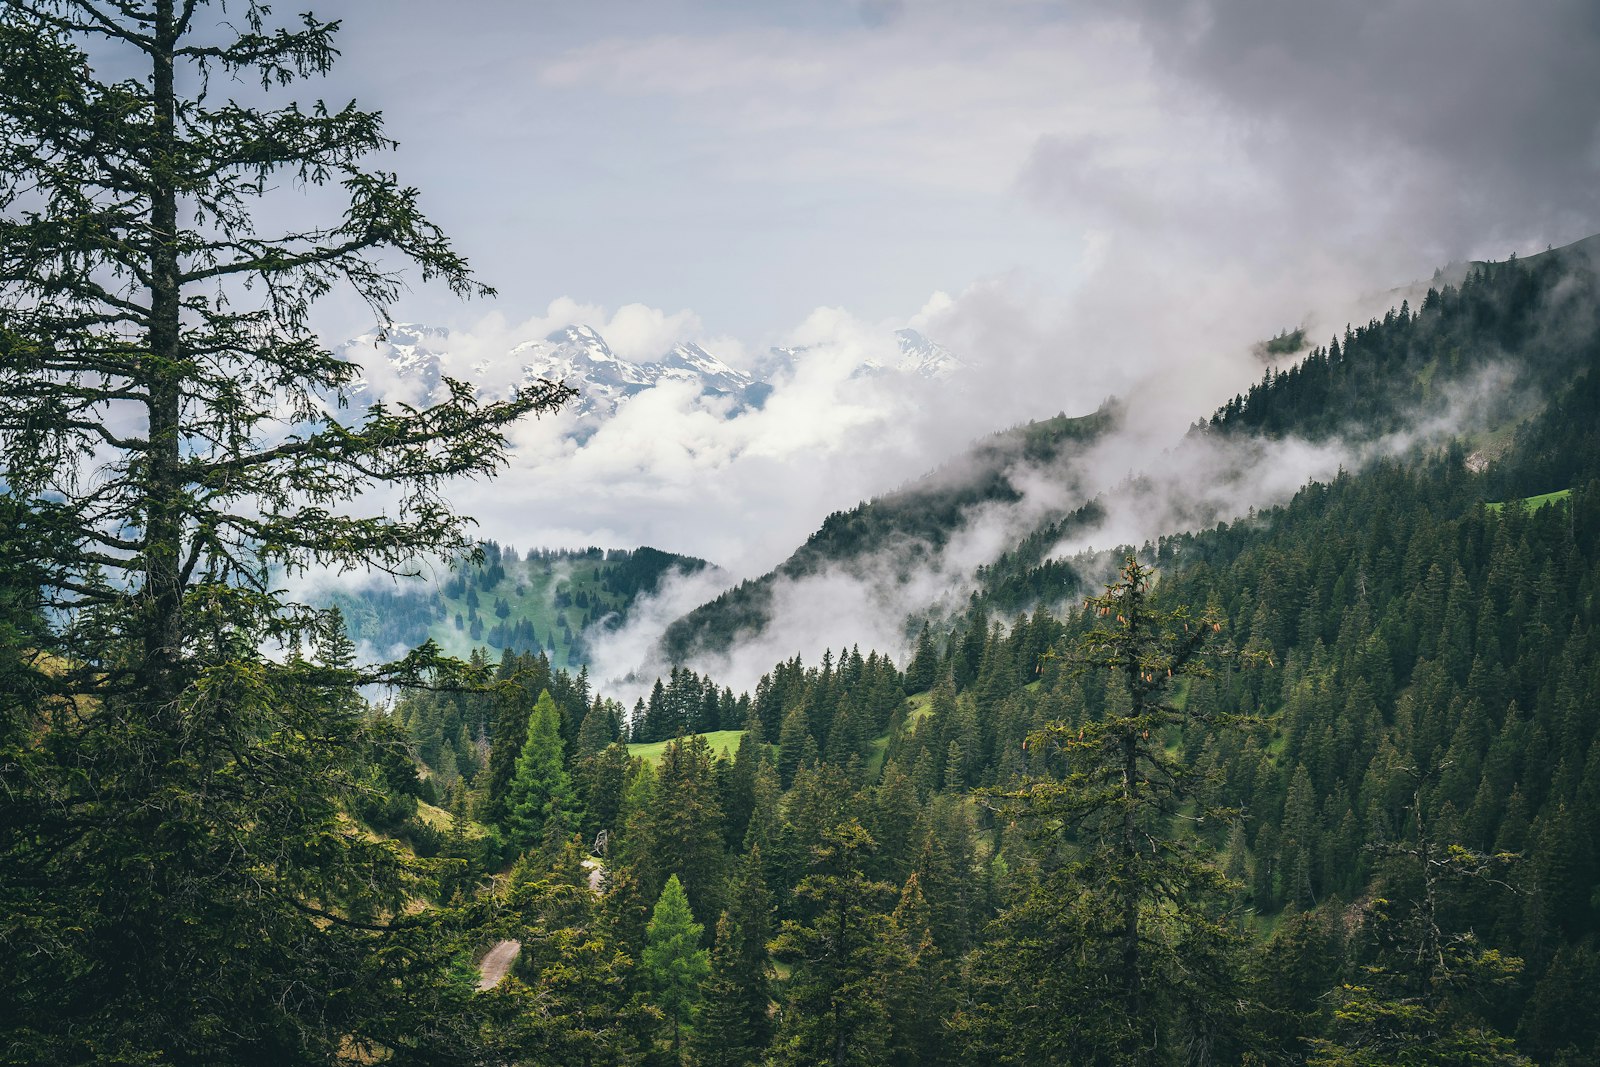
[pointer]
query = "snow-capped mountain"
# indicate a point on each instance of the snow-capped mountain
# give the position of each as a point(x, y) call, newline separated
point(406, 361)
point(580, 357)
point(403, 358)
point(919, 356)
point(926, 358)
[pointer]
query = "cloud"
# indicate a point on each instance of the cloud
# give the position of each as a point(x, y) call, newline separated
point(699, 474)
point(1148, 481)
point(1101, 199)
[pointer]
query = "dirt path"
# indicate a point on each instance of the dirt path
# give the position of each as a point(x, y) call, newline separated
point(496, 963)
point(597, 875)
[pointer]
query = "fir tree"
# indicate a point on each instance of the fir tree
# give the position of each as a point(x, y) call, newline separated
point(736, 1021)
point(177, 868)
point(673, 962)
point(1126, 943)
point(539, 804)
point(842, 952)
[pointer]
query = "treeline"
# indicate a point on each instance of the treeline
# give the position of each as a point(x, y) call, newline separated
point(543, 600)
point(1537, 320)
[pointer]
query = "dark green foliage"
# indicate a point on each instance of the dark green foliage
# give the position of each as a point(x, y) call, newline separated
point(568, 999)
point(180, 877)
point(539, 804)
point(736, 1022)
point(843, 951)
point(677, 833)
point(1127, 940)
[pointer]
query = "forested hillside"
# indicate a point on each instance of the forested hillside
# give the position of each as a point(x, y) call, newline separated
point(543, 600)
point(1318, 784)
point(896, 533)
point(1314, 786)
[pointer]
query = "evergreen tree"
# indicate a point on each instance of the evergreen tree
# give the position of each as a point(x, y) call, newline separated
point(841, 951)
point(1125, 944)
point(540, 803)
point(793, 741)
point(924, 663)
point(673, 962)
point(921, 992)
point(736, 1021)
point(178, 871)
point(679, 832)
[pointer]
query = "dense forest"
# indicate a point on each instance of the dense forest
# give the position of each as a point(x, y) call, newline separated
point(1317, 785)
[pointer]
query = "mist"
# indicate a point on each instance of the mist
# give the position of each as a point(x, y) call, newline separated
point(1165, 186)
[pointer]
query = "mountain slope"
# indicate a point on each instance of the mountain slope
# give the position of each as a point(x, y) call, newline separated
point(544, 601)
point(1474, 361)
point(897, 533)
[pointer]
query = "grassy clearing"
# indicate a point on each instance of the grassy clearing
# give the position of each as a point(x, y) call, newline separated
point(1534, 503)
point(434, 817)
point(437, 818)
point(918, 708)
point(722, 742)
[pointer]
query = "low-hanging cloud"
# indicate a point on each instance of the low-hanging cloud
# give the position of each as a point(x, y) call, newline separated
point(1103, 200)
point(1147, 482)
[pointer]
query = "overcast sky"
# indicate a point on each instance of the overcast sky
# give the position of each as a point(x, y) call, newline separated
point(1079, 198)
point(754, 161)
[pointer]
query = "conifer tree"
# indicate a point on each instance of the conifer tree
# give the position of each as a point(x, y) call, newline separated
point(792, 743)
point(723, 1037)
point(540, 803)
point(736, 1021)
point(1126, 943)
point(921, 990)
point(673, 962)
point(176, 864)
point(841, 951)
point(679, 832)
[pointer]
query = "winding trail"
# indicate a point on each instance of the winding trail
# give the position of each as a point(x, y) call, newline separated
point(496, 963)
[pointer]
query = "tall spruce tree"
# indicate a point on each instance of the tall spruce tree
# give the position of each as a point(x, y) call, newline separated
point(1126, 944)
point(540, 803)
point(736, 1019)
point(842, 952)
point(178, 872)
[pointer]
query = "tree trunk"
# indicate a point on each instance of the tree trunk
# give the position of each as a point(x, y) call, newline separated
point(161, 600)
point(1130, 857)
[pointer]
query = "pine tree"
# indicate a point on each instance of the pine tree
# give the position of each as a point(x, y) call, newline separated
point(792, 743)
point(540, 803)
point(1153, 963)
point(924, 663)
point(673, 962)
point(841, 952)
point(176, 863)
point(736, 1019)
point(921, 990)
point(1418, 1003)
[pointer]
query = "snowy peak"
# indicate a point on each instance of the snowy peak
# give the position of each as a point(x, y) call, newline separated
point(406, 361)
point(691, 362)
point(929, 359)
point(403, 361)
